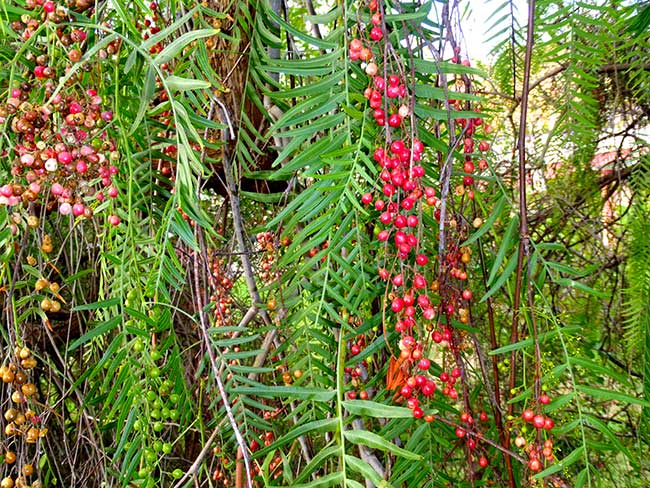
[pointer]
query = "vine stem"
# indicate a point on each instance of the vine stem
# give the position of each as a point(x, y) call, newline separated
point(497, 409)
point(249, 276)
point(524, 236)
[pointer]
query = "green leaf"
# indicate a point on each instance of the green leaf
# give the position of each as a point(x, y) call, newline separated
point(97, 305)
point(185, 84)
point(580, 286)
point(363, 468)
point(529, 342)
point(562, 464)
point(147, 94)
point(505, 246)
point(326, 425)
point(168, 31)
point(367, 408)
point(419, 14)
point(315, 394)
point(609, 395)
point(616, 444)
point(436, 68)
point(322, 482)
point(167, 54)
point(317, 461)
point(508, 270)
point(375, 441)
point(487, 225)
point(96, 331)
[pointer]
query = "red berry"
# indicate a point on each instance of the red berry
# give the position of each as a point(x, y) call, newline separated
point(395, 120)
point(429, 388)
point(548, 423)
point(113, 220)
point(424, 364)
point(397, 305)
point(467, 295)
point(376, 34)
point(460, 433)
point(366, 198)
point(356, 45)
point(544, 399)
point(538, 421)
point(418, 413)
point(483, 417)
point(535, 465)
point(483, 462)
point(483, 146)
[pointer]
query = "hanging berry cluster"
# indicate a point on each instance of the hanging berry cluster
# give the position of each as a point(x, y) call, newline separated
point(63, 158)
point(427, 298)
point(220, 285)
point(23, 425)
point(404, 263)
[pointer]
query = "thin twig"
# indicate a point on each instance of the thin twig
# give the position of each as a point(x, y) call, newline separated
point(215, 368)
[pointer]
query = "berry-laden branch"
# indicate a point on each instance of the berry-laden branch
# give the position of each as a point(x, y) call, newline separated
point(427, 301)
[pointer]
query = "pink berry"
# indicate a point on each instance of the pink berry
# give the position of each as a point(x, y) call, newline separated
point(75, 108)
point(6, 191)
point(64, 157)
point(27, 159)
point(57, 189)
point(78, 209)
point(112, 192)
point(65, 208)
point(114, 220)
